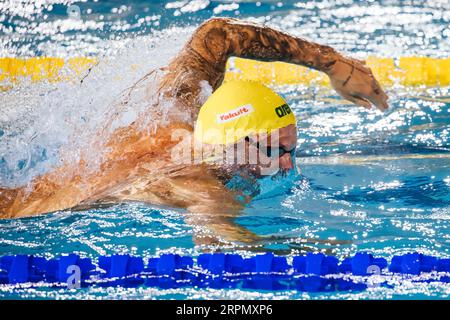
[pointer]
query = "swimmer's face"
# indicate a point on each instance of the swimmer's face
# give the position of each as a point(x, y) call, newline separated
point(288, 142)
point(275, 151)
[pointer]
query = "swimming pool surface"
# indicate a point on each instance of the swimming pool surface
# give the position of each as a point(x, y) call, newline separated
point(375, 182)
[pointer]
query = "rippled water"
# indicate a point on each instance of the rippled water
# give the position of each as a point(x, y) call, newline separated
point(379, 181)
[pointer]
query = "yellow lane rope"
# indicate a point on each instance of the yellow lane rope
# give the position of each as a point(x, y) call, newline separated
point(363, 160)
point(409, 71)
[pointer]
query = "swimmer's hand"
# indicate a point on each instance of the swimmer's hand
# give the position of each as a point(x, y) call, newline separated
point(356, 83)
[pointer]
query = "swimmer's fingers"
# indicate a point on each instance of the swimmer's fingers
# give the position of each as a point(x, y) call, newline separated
point(364, 86)
point(363, 90)
point(355, 99)
point(373, 91)
point(377, 96)
point(356, 83)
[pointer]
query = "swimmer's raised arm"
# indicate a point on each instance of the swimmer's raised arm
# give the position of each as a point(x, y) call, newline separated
point(219, 38)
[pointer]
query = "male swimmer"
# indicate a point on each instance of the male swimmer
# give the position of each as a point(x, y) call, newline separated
point(140, 164)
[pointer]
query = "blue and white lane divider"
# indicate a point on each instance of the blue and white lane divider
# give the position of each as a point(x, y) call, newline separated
point(309, 273)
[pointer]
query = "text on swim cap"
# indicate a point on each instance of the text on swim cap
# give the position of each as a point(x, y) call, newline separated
point(235, 113)
point(283, 110)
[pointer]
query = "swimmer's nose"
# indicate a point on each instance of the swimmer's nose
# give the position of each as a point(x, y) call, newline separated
point(286, 162)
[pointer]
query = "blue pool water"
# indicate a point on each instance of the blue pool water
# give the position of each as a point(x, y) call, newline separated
point(371, 181)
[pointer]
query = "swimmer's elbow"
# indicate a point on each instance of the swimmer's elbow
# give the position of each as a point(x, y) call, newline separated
point(211, 40)
point(219, 27)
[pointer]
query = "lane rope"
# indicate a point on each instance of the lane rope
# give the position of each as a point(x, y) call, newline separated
point(407, 71)
point(313, 272)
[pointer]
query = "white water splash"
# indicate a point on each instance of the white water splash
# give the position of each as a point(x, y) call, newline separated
point(46, 123)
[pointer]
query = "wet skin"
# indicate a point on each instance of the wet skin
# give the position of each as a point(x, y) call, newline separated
point(138, 165)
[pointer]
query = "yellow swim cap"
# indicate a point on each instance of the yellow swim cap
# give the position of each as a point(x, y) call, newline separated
point(240, 108)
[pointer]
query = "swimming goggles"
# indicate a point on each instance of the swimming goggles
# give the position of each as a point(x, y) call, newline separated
point(271, 152)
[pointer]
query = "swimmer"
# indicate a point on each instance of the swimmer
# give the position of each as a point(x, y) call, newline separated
point(139, 164)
